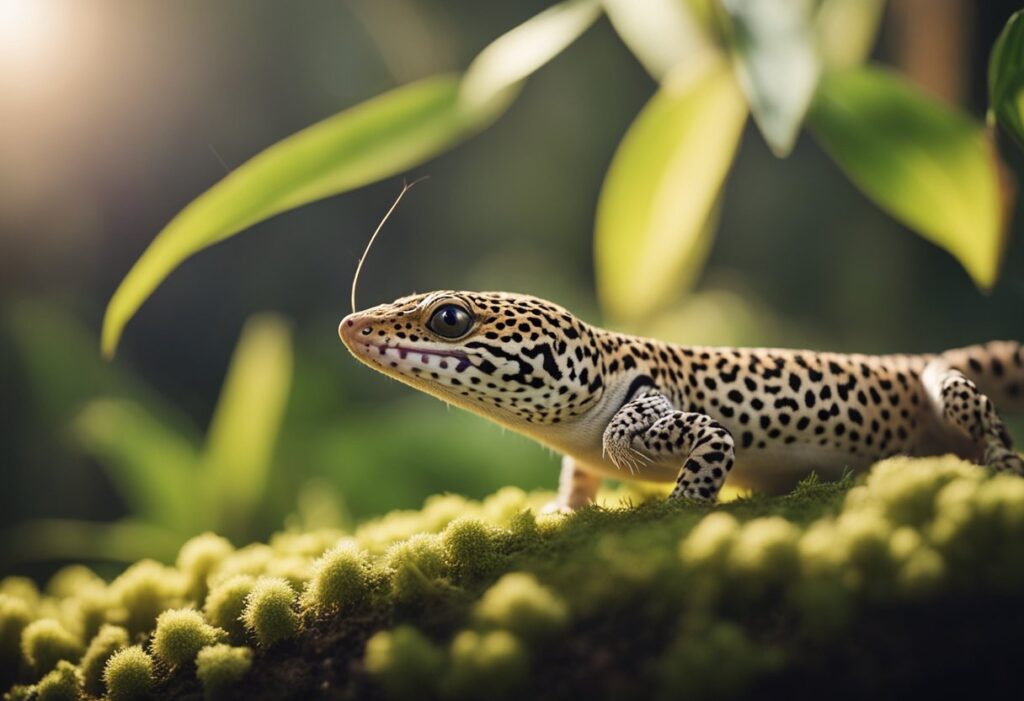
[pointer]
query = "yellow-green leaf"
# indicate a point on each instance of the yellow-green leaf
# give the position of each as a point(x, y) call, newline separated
point(661, 187)
point(373, 140)
point(1006, 78)
point(926, 164)
point(245, 425)
point(847, 30)
point(494, 75)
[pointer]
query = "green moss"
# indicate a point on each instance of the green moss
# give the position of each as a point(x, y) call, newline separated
point(269, 613)
point(46, 642)
point(107, 641)
point(495, 661)
point(180, 634)
point(198, 558)
point(225, 603)
point(62, 684)
point(521, 604)
point(221, 667)
point(405, 662)
point(633, 597)
point(128, 675)
point(143, 591)
point(342, 581)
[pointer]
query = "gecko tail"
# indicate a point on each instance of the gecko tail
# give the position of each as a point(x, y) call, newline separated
point(997, 368)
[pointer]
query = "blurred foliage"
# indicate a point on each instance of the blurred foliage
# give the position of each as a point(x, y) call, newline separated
point(461, 599)
point(656, 212)
point(1006, 79)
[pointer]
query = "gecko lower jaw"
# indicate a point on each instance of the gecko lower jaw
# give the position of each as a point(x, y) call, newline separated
point(424, 353)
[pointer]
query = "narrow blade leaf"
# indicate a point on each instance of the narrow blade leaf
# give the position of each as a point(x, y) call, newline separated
point(777, 64)
point(153, 467)
point(655, 204)
point(243, 432)
point(924, 163)
point(494, 76)
point(847, 30)
point(378, 138)
point(1006, 79)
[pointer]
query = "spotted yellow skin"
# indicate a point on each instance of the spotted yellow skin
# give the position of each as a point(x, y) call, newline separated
point(627, 406)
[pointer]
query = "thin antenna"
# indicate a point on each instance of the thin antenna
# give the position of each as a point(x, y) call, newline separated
point(220, 160)
point(406, 186)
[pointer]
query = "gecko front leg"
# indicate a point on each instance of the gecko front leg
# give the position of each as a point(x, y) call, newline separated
point(649, 429)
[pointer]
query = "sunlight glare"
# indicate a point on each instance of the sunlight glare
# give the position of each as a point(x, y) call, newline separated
point(26, 31)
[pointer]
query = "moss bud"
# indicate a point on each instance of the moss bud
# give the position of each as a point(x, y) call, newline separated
point(418, 569)
point(220, 667)
point(225, 603)
point(46, 642)
point(710, 540)
point(406, 663)
point(766, 547)
point(518, 602)
point(471, 549)
point(197, 558)
point(109, 640)
point(14, 617)
point(143, 591)
point(342, 581)
point(495, 661)
point(62, 684)
point(269, 611)
point(180, 634)
point(128, 675)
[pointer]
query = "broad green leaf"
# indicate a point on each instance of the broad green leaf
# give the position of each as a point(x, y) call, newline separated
point(777, 64)
point(378, 138)
point(1006, 79)
point(926, 164)
point(494, 76)
point(662, 34)
point(152, 467)
point(661, 187)
point(247, 420)
point(847, 30)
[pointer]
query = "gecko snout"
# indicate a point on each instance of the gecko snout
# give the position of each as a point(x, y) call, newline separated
point(353, 327)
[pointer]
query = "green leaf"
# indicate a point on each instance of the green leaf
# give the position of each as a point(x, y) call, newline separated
point(153, 467)
point(662, 34)
point(661, 187)
point(373, 140)
point(777, 64)
point(247, 420)
point(383, 136)
point(847, 30)
point(926, 164)
point(1006, 79)
point(494, 76)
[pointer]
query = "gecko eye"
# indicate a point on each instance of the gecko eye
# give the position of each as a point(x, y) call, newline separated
point(450, 321)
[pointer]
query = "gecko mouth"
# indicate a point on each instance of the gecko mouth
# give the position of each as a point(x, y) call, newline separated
point(425, 354)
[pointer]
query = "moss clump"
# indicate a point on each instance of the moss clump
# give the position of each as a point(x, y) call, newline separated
point(521, 604)
point(225, 603)
point(221, 667)
point(472, 549)
point(342, 581)
point(107, 641)
point(62, 684)
point(128, 675)
point(419, 573)
point(15, 615)
point(180, 634)
point(496, 661)
point(143, 591)
point(269, 613)
point(198, 558)
point(46, 642)
point(406, 662)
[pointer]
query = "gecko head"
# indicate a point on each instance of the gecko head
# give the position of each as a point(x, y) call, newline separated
point(515, 358)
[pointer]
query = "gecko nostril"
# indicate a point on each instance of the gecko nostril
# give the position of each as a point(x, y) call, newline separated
point(367, 330)
point(351, 323)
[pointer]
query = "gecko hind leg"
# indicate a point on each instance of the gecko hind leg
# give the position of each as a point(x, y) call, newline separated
point(651, 428)
point(576, 488)
point(960, 405)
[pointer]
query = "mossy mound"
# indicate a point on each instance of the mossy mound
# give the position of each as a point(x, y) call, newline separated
point(905, 581)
